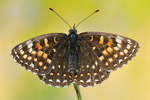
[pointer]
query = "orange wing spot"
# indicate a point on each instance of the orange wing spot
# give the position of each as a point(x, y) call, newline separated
point(54, 49)
point(55, 40)
point(91, 38)
point(93, 48)
point(64, 75)
point(40, 63)
point(116, 56)
point(38, 46)
point(58, 74)
point(81, 75)
point(95, 74)
point(46, 42)
point(101, 40)
point(101, 58)
point(110, 60)
point(51, 74)
point(121, 53)
point(48, 61)
point(125, 51)
point(45, 67)
point(110, 42)
point(105, 52)
point(29, 58)
point(109, 49)
point(25, 56)
point(45, 55)
point(75, 76)
point(88, 74)
point(39, 53)
point(33, 52)
point(35, 59)
point(100, 70)
point(106, 63)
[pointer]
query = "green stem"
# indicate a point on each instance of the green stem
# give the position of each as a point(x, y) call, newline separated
point(77, 91)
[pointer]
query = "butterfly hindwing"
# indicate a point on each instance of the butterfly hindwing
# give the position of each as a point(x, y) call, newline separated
point(91, 70)
point(59, 75)
point(37, 53)
point(112, 50)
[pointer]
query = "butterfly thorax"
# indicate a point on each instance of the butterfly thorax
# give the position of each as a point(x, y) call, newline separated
point(73, 51)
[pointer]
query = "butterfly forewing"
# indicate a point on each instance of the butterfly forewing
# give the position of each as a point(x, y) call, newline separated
point(37, 54)
point(113, 51)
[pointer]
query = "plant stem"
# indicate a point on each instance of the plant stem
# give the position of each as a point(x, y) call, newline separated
point(77, 89)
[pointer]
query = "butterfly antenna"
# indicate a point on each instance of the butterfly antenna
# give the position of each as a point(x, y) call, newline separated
point(60, 17)
point(87, 17)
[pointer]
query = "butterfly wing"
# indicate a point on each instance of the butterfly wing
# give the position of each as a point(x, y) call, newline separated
point(59, 75)
point(113, 51)
point(37, 54)
point(90, 70)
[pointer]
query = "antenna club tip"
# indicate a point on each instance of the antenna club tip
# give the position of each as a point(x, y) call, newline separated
point(97, 10)
point(51, 9)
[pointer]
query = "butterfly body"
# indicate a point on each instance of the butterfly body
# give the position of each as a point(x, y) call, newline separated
point(86, 58)
point(73, 49)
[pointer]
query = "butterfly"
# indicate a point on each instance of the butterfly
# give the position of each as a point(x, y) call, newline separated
point(84, 59)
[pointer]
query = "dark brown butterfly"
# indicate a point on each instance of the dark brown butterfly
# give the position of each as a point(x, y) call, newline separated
point(86, 58)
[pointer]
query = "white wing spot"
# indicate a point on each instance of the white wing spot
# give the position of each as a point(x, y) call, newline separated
point(32, 65)
point(20, 46)
point(135, 46)
point(53, 67)
point(123, 65)
point(15, 52)
point(102, 76)
point(30, 45)
point(64, 81)
point(120, 60)
point(17, 56)
point(87, 66)
point(119, 37)
point(81, 81)
point(26, 63)
point(21, 52)
point(133, 50)
point(29, 41)
point(128, 46)
point(89, 80)
point(116, 48)
point(50, 80)
point(30, 50)
point(96, 80)
point(96, 63)
point(57, 80)
point(119, 45)
point(59, 66)
point(118, 40)
point(125, 57)
point(64, 67)
point(129, 41)
point(93, 67)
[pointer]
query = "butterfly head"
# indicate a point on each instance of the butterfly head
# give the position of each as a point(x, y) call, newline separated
point(73, 30)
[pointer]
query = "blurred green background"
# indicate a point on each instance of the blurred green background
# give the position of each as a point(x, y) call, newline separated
point(23, 19)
